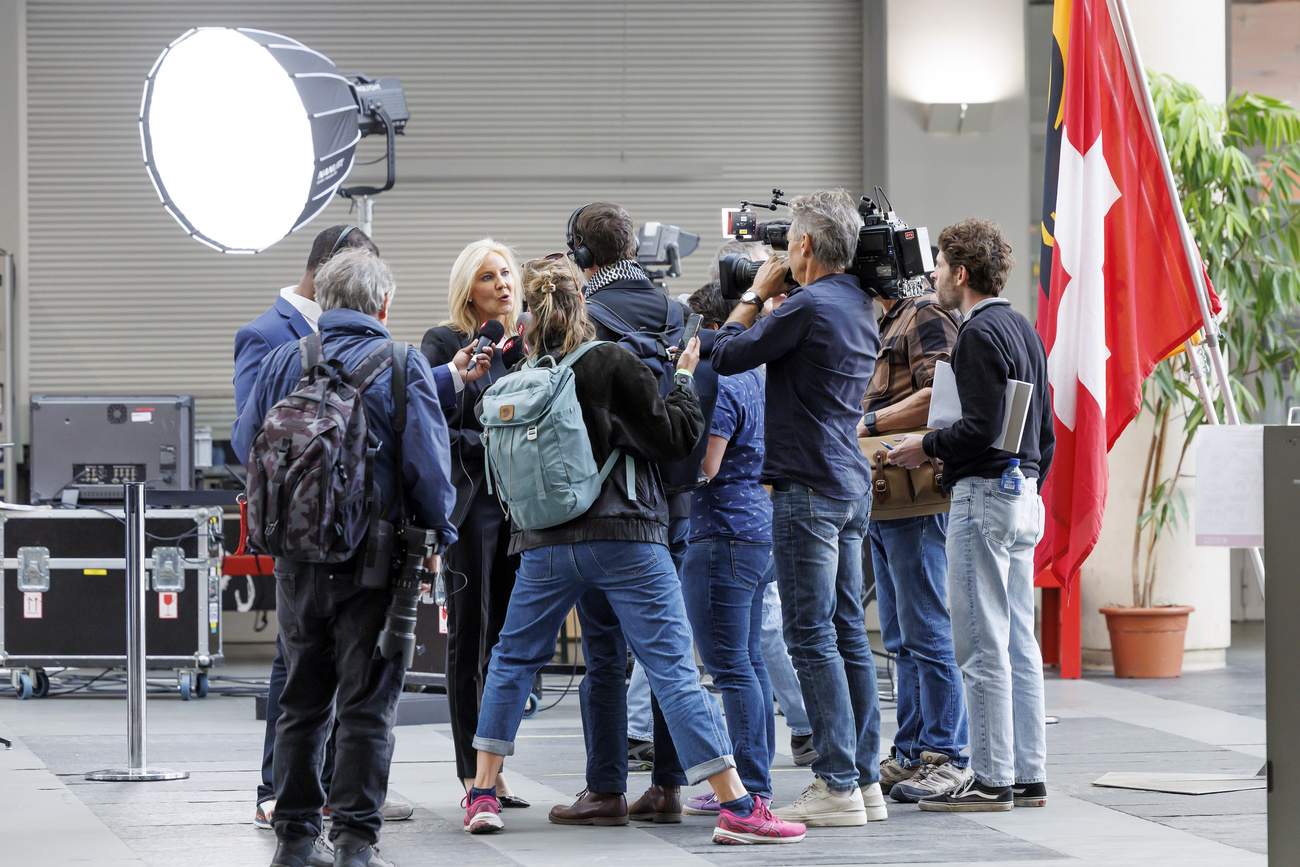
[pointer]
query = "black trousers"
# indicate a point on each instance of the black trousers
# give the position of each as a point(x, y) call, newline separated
point(328, 628)
point(480, 575)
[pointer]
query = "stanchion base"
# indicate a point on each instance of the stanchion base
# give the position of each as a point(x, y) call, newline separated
point(136, 775)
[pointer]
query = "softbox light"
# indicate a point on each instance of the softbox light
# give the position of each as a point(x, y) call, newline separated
point(246, 135)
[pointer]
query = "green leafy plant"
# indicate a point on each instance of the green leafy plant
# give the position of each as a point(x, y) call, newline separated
point(1237, 168)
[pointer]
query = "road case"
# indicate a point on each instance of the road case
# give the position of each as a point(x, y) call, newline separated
point(64, 599)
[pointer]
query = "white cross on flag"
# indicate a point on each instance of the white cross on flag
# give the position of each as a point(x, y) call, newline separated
point(1117, 290)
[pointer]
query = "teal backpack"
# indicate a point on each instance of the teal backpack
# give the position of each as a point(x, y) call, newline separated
point(536, 448)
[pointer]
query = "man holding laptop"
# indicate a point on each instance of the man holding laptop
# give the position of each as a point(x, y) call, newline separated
point(995, 521)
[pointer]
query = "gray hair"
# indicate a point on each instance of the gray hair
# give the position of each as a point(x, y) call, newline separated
point(830, 220)
point(355, 279)
point(756, 252)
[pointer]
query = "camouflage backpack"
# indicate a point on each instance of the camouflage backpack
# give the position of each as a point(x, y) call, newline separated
point(310, 488)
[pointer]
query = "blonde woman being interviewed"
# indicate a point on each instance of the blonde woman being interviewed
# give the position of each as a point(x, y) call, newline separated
point(480, 571)
point(620, 546)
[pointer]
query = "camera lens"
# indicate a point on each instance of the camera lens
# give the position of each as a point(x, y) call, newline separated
point(736, 273)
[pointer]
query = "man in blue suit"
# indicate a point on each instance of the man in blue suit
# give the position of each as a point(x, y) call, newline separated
point(294, 316)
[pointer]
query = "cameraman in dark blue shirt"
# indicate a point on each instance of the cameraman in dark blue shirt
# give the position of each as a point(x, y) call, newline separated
point(820, 347)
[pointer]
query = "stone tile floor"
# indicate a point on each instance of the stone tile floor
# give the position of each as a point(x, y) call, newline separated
point(1210, 722)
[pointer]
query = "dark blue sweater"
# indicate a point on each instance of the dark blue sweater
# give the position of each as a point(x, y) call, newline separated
point(820, 347)
point(994, 345)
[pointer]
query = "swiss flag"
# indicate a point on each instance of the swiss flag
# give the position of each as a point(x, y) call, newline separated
point(1117, 290)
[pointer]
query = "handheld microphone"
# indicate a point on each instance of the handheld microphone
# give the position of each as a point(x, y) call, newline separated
point(513, 352)
point(489, 333)
point(524, 319)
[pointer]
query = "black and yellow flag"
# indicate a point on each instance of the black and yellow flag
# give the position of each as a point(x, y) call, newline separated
point(1052, 162)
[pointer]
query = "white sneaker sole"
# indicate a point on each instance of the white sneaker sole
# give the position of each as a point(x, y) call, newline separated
point(969, 807)
point(485, 824)
point(738, 838)
point(692, 811)
point(1031, 802)
point(839, 819)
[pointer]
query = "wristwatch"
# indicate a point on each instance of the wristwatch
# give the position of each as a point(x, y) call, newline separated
point(869, 421)
point(749, 296)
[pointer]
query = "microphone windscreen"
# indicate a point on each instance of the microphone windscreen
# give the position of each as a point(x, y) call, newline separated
point(513, 352)
point(492, 329)
point(524, 319)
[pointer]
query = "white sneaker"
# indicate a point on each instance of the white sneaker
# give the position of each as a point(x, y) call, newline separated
point(937, 776)
point(819, 807)
point(873, 799)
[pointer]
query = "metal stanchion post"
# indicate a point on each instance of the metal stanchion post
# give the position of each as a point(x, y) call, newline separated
point(135, 771)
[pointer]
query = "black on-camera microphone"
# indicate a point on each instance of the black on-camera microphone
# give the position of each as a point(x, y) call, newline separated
point(489, 333)
point(513, 352)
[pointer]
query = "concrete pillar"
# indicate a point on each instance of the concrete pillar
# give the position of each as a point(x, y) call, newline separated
point(945, 52)
point(1185, 39)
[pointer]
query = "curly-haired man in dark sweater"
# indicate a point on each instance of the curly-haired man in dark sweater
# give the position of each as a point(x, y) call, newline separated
point(991, 531)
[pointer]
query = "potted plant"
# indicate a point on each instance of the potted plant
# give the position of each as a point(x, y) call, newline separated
point(1237, 167)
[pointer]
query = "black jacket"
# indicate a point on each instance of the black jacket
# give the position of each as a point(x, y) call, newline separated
point(440, 345)
point(621, 408)
point(645, 306)
point(994, 345)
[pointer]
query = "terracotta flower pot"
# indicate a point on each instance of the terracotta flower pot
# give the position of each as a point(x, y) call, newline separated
point(1147, 642)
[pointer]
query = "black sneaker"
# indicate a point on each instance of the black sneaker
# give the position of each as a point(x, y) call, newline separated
point(1029, 794)
point(802, 749)
point(640, 755)
point(972, 797)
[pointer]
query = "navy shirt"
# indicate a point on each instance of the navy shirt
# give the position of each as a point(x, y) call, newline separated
point(734, 503)
point(350, 336)
point(820, 347)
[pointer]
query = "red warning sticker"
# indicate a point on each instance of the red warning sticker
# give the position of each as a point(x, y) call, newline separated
point(442, 619)
point(32, 606)
point(168, 606)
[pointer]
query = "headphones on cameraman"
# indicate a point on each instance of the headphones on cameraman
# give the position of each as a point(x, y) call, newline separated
point(578, 251)
point(343, 236)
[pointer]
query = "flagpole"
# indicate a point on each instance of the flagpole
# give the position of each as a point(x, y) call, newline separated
point(1193, 255)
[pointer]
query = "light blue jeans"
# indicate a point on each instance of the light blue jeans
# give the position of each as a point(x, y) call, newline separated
point(817, 545)
point(991, 539)
point(780, 670)
point(640, 721)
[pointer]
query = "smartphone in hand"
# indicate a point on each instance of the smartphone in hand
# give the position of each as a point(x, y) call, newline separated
point(692, 329)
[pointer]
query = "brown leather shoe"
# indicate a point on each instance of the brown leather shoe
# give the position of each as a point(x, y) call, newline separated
point(592, 808)
point(660, 804)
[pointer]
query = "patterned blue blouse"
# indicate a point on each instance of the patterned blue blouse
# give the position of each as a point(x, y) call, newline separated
point(734, 504)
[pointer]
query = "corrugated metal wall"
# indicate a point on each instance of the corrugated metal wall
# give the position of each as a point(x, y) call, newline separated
point(520, 112)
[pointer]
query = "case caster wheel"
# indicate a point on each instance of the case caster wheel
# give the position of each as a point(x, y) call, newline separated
point(24, 686)
point(184, 681)
point(201, 685)
point(40, 684)
point(530, 706)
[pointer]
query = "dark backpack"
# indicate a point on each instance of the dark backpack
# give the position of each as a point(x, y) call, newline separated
point(310, 488)
point(651, 346)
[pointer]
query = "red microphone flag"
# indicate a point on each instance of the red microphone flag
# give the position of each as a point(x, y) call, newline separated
point(1117, 291)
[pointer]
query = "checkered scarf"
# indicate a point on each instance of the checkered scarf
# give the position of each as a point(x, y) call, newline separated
point(628, 269)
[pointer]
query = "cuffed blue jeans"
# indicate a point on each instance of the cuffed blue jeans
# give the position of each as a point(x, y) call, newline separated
point(991, 540)
point(817, 543)
point(911, 568)
point(723, 580)
point(641, 585)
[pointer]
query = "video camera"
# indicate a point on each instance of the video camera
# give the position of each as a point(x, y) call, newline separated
point(889, 253)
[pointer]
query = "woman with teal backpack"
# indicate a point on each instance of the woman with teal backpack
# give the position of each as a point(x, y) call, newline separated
point(620, 545)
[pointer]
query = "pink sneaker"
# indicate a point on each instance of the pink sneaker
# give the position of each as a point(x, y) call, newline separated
point(482, 816)
point(759, 826)
point(702, 805)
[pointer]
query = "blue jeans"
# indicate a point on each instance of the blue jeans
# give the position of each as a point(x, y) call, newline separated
point(640, 725)
point(817, 543)
point(912, 592)
point(723, 580)
point(785, 683)
point(641, 585)
point(991, 539)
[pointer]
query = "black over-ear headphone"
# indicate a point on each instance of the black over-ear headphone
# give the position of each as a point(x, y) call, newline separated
point(347, 230)
point(578, 251)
